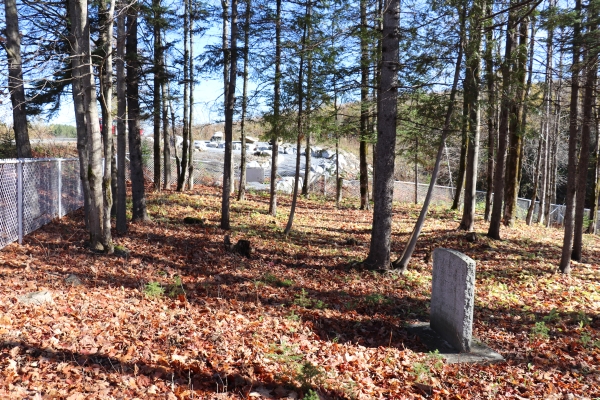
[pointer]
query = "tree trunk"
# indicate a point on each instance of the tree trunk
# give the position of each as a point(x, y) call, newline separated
point(309, 105)
point(82, 139)
point(165, 121)
point(591, 65)
point(516, 128)
point(569, 226)
point(173, 136)
point(299, 126)
point(106, 81)
point(138, 194)
point(462, 164)
point(15, 79)
point(190, 176)
point(242, 190)
point(276, 111)
point(186, 84)
point(536, 176)
point(379, 250)
point(496, 217)
point(156, 103)
point(592, 228)
point(121, 129)
point(416, 169)
point(402, 263)
point(227, 176)
point(226, 49)
point(472, 82)
point(529, 217)
point(491, 116)
point(553, 142)
point(364, 107)
point(87, 98)
point(546, 125)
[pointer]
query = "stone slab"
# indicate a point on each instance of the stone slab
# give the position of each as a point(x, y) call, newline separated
point(452, 297)
point(255, 175)
point(480, 353)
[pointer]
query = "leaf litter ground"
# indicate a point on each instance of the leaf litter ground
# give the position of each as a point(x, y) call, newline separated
point(176, 316)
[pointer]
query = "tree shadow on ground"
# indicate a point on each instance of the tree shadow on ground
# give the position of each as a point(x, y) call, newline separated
point(127, 375)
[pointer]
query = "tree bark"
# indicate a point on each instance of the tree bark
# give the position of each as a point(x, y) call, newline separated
point(276, 112)
point(299, 126)
point(462, 163)
point(138, 194)
point(186, 84)
point(156, 103)
point(496, 217)
point(569, 219)
point(82, 139)
point(190, 176)
point(242, 189)
point(16, 86)
point(165, 122)
point(87, 102)
point(592, 228)
point(364, 107)
point(106, 81)
point(546, 125)
point(121, 129)
point(227, 176)
point(516, 128)
point(591, 65)
point(553, 143)
point(402, 263)
point(472, 82)
point(379, 250)
point(309, 105)
point(491, 114)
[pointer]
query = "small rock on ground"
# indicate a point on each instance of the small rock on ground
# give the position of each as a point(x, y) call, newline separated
point(36, 298)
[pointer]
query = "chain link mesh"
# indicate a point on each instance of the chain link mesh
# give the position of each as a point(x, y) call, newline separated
point(40, 194)
point(42, 179)
point(50, 188)
point(72, 193)
point(9, 223)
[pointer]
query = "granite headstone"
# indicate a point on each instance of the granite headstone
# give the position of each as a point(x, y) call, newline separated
point(452, 297)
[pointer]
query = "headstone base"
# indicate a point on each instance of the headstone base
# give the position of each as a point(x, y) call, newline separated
point(479, 354)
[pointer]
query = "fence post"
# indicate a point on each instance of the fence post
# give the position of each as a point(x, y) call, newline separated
point(60, 214)
point(20, 200)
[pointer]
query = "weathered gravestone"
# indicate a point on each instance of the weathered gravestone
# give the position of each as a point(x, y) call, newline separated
point(452, 297)
point(255, 174)
point(451, 311)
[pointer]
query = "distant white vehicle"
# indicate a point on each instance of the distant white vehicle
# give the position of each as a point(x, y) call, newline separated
point(200, 144)
point(217, 137)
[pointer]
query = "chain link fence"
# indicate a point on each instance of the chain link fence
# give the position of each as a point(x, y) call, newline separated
point(210, 173)
point(35, 191)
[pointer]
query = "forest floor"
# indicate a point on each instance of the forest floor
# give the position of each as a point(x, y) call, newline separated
point(179, 317)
